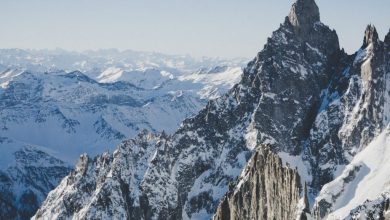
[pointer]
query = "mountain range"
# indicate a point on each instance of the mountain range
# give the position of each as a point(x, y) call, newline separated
point(57, 105)
point(304, 134)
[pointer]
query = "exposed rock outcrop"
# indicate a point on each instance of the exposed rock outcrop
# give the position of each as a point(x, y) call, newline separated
point(303, 15)
point(354, 109)
point(266, 190)
point(387, 39)
point(377, 209)
point(370, 36)
point(107, 182)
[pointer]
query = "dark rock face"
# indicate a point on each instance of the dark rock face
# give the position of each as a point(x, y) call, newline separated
point(265, 190)
point(303, 15)
point(8, 210)
point(387, 39)
point(370, 36)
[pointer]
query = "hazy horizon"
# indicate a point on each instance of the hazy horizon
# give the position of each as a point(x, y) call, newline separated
point(226, 29)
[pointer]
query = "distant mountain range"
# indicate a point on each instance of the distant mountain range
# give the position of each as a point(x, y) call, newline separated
point(93, 63)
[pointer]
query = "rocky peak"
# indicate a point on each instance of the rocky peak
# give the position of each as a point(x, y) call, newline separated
point(304, 22)
point(304, 14)
point(370, 36)
point(265, 190)
point(306, 200)
point(82, 164)
point(387, 38)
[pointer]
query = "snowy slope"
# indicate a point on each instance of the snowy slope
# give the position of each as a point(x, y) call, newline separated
point(365, 178)
point(71, 113)
point(27, 174)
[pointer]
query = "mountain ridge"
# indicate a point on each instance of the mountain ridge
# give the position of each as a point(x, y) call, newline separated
point(68, 113)
point(316, 108)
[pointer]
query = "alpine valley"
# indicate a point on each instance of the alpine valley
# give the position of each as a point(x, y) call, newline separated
point(304, 133)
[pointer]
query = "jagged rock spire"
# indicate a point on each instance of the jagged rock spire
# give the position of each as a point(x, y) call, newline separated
point(387, 38)
point(304, 13)
point(306, 200)
point(306, 206)
point(370, 35)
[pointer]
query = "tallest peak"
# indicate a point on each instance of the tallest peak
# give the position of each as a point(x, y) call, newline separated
point(304, 13)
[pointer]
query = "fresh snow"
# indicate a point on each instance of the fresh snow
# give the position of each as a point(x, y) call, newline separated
point(251, 138)
point(117, 95)
point(371, 178)
point(296, 162)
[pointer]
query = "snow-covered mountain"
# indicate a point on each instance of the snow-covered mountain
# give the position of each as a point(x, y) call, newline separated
point(108, 62)
point(303, 135)
point(72, 113)
point(27, 175)
point(66, 113)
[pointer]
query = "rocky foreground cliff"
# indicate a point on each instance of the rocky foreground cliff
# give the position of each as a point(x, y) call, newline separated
point(319, 110)
point(267, 189)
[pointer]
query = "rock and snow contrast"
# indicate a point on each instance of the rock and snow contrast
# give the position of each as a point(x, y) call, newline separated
point(28, 174)
point(72, 113)
point(366, 177)
point(266, 190)
point(303, 135)
point(66, 113)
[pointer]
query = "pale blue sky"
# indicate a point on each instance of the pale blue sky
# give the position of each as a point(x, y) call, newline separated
point(225, 28)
